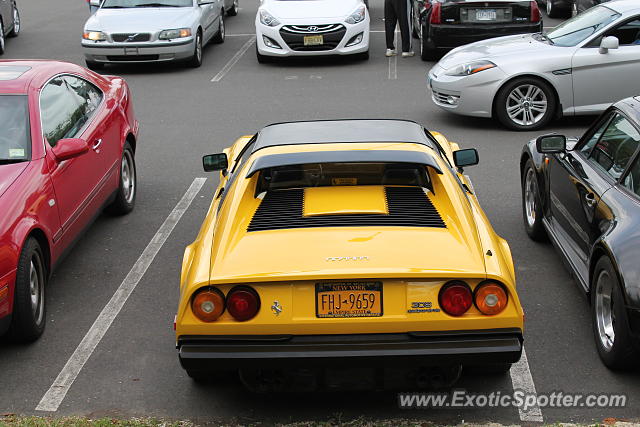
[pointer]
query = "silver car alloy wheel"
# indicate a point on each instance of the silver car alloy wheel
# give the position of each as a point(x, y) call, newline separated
point(128, 174)
point(199, 47)
point(16, 21)
point(530, 192)
point(222, 28)
point(526, 105)
point(36, 288)
point(604, 310)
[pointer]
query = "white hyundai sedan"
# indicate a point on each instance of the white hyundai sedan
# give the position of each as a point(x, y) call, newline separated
point(311, 28)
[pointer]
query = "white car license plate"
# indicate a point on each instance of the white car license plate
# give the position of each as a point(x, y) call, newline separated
point(131, 51)
point(313, 40)
point(486, 15)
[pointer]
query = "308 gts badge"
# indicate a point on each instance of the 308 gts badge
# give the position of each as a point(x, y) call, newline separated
point(422, 307)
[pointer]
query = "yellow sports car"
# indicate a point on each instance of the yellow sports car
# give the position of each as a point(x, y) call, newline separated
point(336, 245)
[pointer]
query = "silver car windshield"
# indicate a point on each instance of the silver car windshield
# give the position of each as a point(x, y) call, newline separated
point(577, 29)
point(15, 145)
point(125, 4)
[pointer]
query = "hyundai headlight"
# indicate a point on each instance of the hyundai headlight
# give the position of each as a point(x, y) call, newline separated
point(357, 16)
point(470, 68)
point(268, 19)
point(96, 36)
point(178, 33)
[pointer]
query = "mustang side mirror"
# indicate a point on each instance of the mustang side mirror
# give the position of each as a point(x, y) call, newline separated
point(551, 144)
point(215, 162)
point(466, 157)
point(609, 42)
point(69, 148)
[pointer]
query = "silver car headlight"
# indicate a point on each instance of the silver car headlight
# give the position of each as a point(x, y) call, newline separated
point(357, 16)
point(470, 68)
point(178, 33)
point(96, 36)
point(268, 19)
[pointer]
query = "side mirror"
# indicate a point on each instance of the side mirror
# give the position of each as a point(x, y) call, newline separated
point(215, 162)
point(467, 157)
point(95, 3)
point(550, 144)
point(69, 148)
point(609, 42)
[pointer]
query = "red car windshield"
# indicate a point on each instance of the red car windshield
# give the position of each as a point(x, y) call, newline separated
point(15, 144)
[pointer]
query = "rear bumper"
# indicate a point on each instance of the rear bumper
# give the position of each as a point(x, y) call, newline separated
point(204, 353)
point(451, 36)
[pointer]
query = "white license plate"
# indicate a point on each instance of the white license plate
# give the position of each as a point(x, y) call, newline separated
point(131, 51)
point(486, 15)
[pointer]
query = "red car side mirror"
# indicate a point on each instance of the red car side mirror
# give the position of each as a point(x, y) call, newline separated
point(69, 148)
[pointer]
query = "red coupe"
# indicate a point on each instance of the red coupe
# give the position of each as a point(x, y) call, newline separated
point(67, 143)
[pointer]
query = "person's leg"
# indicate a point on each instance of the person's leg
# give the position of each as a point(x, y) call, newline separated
point(403, 9)
point(390, 20)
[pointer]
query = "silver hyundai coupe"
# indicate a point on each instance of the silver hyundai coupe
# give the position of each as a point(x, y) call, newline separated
point(136, 31)
point(525, 81)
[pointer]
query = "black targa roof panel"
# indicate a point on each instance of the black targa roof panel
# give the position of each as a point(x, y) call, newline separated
point(341, 131)
point(354, 156)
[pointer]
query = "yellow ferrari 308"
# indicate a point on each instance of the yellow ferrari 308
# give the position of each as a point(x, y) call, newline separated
point(346, 253)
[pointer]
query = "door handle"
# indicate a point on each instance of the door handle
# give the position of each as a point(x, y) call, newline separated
point(590, 199)
point(97, 144)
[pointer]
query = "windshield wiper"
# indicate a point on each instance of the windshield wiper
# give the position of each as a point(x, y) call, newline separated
point(11, 161)
point(155, 5)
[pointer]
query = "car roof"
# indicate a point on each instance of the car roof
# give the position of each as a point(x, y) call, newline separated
point(622, 6)
point(342, 131)
point(19, 74)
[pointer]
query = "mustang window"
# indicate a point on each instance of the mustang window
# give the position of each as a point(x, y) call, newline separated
point(343, 174)
point(15, 142)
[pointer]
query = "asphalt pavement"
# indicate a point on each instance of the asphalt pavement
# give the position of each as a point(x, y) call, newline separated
point(185, 113)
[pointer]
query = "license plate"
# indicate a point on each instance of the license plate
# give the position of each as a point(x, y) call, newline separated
point(313, 40)
point(349, 299)
point(131, 51)
point(486, 15)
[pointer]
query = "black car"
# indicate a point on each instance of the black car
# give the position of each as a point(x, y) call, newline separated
point(565, 8)
point(585, 196)
point(9, 21)
point(446, 24)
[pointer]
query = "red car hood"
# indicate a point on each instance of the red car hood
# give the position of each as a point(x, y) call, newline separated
point(9, 173)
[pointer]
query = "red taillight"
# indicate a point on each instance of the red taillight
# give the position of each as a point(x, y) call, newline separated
point(436, 13)
point(455, 298)
point(243, 303)
point(535, 11)
point(208, 304)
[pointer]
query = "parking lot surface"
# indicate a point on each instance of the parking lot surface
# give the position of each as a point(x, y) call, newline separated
point(185, 113)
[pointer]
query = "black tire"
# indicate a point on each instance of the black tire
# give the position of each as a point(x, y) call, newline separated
point(542, 92)
point(28, 321)
point(196, 59)
point(126, 196)
point(428, 51)
point(15, 31)
point(220, 36)
point(532, 208)
point(95, 66)
point(554, 11)
point(364, 56)
point(2, 39)
point(234, 9)
point(623, 353)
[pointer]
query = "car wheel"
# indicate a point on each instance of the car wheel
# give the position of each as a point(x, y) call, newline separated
point(29, 310)
point(95, 66)
point(196, 59)
point(364, 56)
point(553, 11)
point(219, 38)
point(234, 9)
point(525, 104)
point(531, 205)
point(16, 23)
point(2, 40)
point(126, 196)
point(428, 52)
point(610, 324)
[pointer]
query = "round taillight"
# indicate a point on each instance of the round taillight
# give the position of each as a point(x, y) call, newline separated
point(208, 304)
point(455, 298)
point(491, 298)
point(243, 303)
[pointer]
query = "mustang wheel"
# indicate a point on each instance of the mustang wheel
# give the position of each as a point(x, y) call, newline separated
point(219, 38)
point(29, 311)
point(126, 196)
point(196, 59)
point(1, 37)
point(531, 206)
point(525, 104)
point(610, 324)
point(234, 9)
point(16, 23)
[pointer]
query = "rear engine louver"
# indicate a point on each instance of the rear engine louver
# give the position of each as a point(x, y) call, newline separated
point(408, 207)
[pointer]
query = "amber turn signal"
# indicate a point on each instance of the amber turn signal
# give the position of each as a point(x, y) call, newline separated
point(208, 304)
point(490, 298)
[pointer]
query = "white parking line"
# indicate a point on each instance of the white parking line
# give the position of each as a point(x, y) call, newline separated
point(55, 395)
point(245, 47)
point(522, 380)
